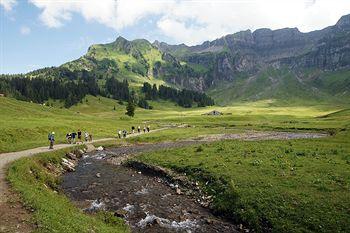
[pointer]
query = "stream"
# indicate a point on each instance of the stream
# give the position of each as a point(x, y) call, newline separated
point(146, 202)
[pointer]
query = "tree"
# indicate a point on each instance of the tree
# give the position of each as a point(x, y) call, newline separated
point(143, 104)
point(130, 108)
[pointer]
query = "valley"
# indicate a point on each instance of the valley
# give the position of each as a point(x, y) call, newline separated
point(248, 132)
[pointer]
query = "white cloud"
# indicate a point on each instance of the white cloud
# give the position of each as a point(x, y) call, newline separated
point(8, 4)
point(25, 30)
point(195, 21)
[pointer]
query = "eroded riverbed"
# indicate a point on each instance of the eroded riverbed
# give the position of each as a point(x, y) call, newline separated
point(146, 202)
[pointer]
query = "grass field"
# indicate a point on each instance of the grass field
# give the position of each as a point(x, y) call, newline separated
point(294, 186)
point(287, 186)
point(25, 125)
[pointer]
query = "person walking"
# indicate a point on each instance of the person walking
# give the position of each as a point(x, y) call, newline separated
point(86, 135)
point(119, 134)
point(124, 133)
point(51, 138)
point(133, 129)
point(79, 135)
point(148, 128)
point(69, 138)
point(74, 135)
point(138, 129)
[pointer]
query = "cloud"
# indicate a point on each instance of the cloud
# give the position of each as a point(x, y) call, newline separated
point(193, 22)
point(25, 30)
point(8, 4)
point(115, 14)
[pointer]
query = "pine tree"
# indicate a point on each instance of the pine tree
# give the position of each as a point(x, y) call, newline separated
point(130, 108)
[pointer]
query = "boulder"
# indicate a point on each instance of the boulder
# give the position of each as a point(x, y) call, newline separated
point(71, 156)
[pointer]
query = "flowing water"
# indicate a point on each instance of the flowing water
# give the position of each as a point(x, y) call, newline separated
point(146, 202)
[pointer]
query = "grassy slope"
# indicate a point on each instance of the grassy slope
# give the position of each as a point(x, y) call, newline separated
point(52, 211)
point(260, 171)
point(109, 51)
point(313, 87)
point(26, 125)
point(295, 186)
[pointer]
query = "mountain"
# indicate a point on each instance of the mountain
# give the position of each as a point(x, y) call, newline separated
point(281, 64)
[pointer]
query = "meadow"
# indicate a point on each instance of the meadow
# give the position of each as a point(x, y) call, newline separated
point(284, 186)
point(26, 125)
point(297, 185)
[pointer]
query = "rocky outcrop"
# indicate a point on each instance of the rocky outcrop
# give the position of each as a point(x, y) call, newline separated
point(249, 52)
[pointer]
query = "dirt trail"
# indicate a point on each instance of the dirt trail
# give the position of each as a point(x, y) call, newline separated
point(14, 218)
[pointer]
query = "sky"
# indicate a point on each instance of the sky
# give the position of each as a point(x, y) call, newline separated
point(42, 33)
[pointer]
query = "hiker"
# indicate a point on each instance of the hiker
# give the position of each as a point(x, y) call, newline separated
point(133, 129)
point(90, 137)
point(138, 129)
point(69, 138)
point(125, 133)
point(119, 134)
point(79, 135)
point(73, 135)
point(86, 135)
point(51, 138)
point(148, 128)
point(144, 129)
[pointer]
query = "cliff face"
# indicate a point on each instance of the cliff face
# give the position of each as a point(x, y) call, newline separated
point(250, 52)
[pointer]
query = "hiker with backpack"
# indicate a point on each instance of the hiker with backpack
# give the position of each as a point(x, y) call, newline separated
point(79, 135)
point(51, 138)
point(86, 136)
point(69, 138)
point(73, 135)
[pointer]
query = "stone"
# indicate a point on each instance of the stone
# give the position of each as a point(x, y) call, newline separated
point(68, 165)
point(71, 156)
point(209, 221)
point(98, 175)
point(121, 213)
point(81, 152)
point(178, 191)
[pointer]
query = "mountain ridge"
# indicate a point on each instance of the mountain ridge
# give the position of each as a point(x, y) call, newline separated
point(239, 60)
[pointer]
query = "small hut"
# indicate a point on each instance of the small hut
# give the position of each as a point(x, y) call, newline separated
point(214, 113)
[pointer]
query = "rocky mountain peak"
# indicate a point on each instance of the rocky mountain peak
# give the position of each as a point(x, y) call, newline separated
point(344, 21)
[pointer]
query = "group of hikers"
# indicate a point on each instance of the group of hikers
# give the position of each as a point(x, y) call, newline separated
point(76, 137)
point(124, 133)
point(72, 138)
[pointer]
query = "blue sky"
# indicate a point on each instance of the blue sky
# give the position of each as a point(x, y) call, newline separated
point(42, 33)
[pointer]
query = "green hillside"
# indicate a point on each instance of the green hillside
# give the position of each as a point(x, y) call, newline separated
point(286, 86)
